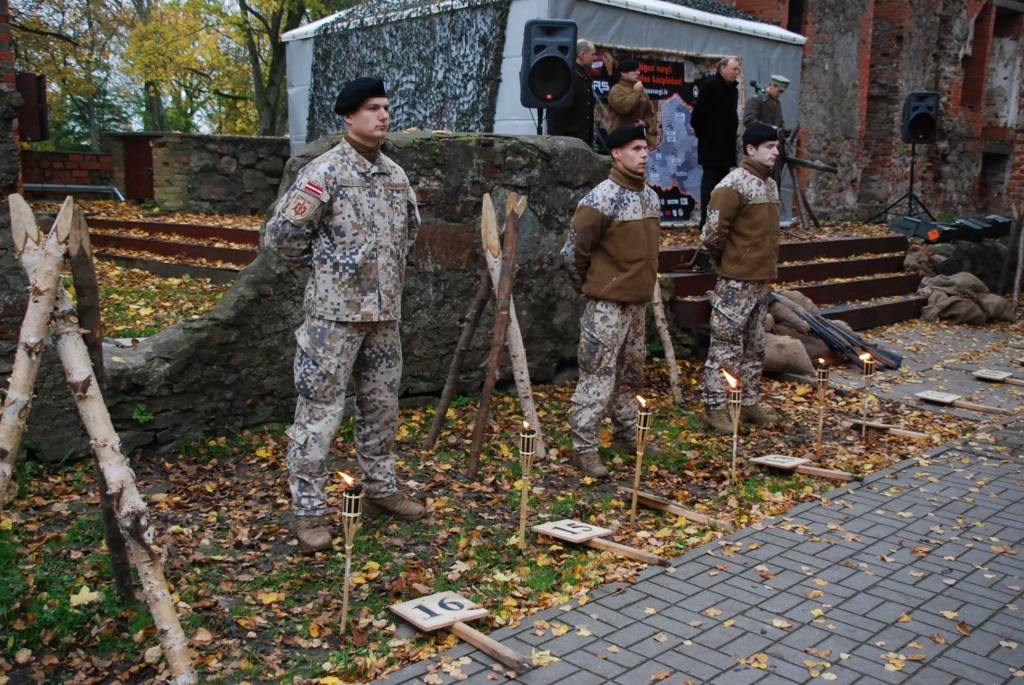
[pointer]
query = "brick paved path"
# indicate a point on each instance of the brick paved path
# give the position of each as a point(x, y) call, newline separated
point(832, 591)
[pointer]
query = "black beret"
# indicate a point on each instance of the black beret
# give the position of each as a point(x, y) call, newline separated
point(356, 92)
point(758, 133)
point(625, 134)
point(628, 65)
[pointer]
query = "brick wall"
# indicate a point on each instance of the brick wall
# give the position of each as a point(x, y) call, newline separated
point(80, 168)
point(770, 11)
point(6, 45)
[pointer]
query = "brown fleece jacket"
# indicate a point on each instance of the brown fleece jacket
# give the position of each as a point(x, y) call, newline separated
point(742, 230)
point(612, 248)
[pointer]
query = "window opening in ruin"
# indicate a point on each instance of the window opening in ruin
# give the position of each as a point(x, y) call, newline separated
point(795, 20)
point(995, 167)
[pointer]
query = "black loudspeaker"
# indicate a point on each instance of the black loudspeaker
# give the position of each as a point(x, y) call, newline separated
point(920, 120)
point(549, 55)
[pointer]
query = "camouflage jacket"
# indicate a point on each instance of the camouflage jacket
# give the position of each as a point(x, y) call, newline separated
point(742, 230)
point(611, 250)
point(354, 221)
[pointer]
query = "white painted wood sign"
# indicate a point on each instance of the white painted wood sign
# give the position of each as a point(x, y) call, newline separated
point(571, 530)
point(779, 461)
point(439, 610)
point(937, 397)
point(992, 375)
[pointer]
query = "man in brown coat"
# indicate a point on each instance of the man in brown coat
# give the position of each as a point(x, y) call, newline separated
point(742, 237)
point(611, 254)
point(629, 104)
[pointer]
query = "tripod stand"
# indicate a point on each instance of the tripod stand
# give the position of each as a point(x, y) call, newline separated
point(910, 196)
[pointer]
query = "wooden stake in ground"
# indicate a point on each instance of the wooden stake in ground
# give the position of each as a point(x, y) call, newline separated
point(579, 533)
point(499, 336)
point(132, 515)
point(661, 323)
point(45, 261)
point(467, 327)
point(783, 462)
point(87, 305)
point(1018, 216)
point(516, 349)
point(949, 399)
point(527, 448)
point(451, 610)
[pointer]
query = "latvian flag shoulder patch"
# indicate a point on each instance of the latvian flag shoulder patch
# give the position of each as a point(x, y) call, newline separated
point(314, 190)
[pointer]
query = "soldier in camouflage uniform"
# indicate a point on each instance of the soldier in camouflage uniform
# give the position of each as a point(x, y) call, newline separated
point(742, 237)
point(351, 214)
point(611, 255)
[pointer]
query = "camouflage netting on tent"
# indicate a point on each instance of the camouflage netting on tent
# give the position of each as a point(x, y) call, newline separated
point(440, 62)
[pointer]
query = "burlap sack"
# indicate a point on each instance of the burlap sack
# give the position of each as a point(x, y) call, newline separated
point(953, 308)
point(996, 308)
point(783, 315)
point(799, 299)
point(786, 355)
point(918, 261)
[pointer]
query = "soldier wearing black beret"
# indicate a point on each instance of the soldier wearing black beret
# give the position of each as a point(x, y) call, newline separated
point(351, 214)
point(611, 255)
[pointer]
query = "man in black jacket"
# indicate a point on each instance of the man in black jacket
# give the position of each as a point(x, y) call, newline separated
point(715, 120)
point(577, 120)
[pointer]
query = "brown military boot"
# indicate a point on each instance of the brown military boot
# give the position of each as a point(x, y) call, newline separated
point(312, 533)
point(397, 505)
point(717, 419)
point(590, 463)
point(759, 416)
point(628, 447)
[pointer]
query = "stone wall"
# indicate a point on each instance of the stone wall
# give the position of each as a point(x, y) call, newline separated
point(232, 367)
point(82, 168)
point(220, 174)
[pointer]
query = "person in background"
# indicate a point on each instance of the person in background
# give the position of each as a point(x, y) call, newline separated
point(577, 120)
point(715, 120)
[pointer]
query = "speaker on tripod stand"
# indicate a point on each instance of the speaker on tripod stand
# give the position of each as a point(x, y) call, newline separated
point(918, 126)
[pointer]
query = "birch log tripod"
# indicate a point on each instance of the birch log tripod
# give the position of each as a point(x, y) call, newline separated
point(50, 307)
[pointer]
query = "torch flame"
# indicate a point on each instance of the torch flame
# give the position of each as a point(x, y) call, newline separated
point(349, 480)
point(526, 425)
point(642, 401)
point(821, 362)
point(865, 357)
point(730, 379)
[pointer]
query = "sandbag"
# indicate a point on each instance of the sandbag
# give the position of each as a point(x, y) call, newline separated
point(783, 315)
point(918, 261)
point(786, 355)
point(996, 308)
point(953, 308)
point(969, 282)
point(800, 300)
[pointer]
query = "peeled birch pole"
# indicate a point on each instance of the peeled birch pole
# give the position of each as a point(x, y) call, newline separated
point(132, 515)
point(45, 259)
point(499, 337)
point(666, 343)
point(516, 348)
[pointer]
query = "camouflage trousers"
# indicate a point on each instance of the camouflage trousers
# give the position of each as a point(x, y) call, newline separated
point(611, 359)
point(738, 310)
point(327, 356)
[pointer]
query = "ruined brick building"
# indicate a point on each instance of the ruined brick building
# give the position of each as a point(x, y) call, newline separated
point(861, 59)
